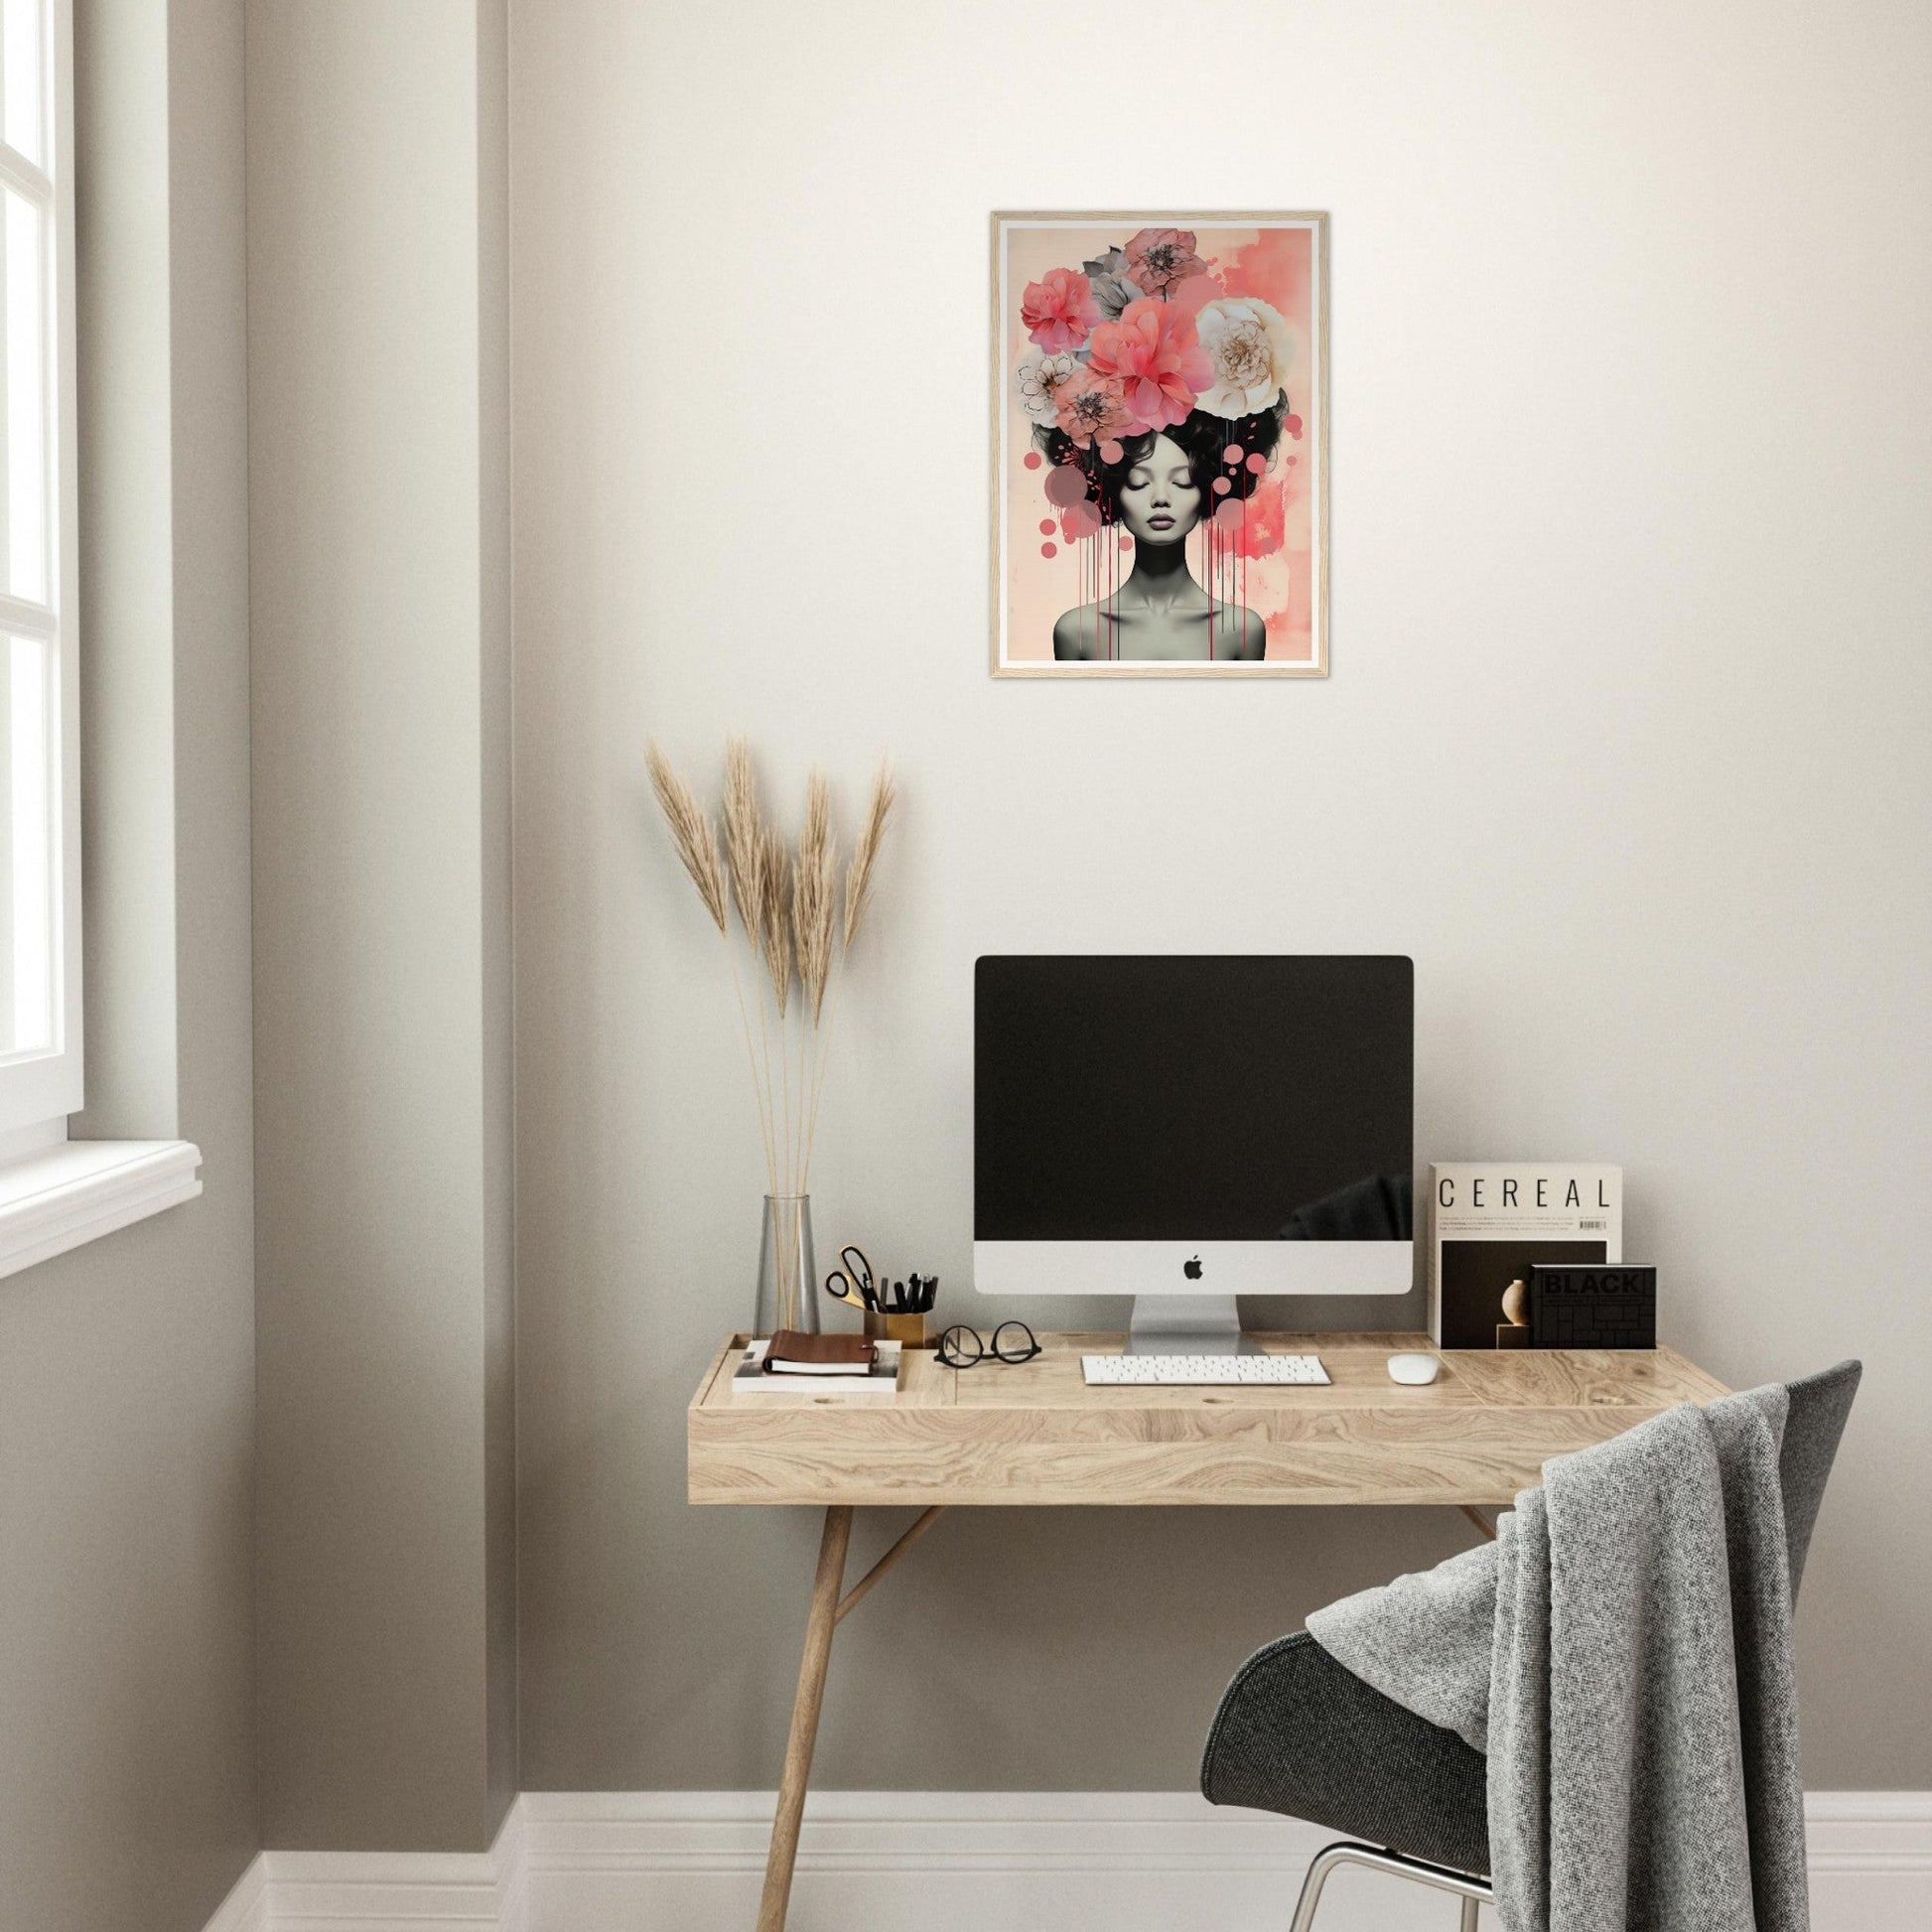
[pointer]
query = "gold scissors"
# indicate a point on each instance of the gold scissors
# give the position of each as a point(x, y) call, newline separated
point(852, 1282)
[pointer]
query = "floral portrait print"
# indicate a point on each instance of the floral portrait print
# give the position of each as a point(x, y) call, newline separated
point(1160, 444)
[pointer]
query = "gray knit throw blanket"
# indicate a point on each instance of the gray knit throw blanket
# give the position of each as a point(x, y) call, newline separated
point(1623, 1652)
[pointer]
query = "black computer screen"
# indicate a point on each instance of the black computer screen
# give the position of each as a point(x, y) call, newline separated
point(1226, 1098)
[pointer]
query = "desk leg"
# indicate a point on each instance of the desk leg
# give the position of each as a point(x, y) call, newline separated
point(805, 1718)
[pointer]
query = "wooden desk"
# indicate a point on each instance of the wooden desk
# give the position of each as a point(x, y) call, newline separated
point(1034, 1432)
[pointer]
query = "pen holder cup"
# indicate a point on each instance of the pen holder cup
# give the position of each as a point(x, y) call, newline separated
point(908, 1330)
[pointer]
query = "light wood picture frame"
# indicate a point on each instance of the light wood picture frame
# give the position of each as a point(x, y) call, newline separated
point(1160, 444)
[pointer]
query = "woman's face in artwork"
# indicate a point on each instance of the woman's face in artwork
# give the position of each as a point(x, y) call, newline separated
point(1159, 501)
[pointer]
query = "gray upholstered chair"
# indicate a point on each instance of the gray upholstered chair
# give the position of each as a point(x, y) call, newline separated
point(1300, 1734)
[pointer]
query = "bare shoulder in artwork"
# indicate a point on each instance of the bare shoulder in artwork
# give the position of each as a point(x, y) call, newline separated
point(1121, 629)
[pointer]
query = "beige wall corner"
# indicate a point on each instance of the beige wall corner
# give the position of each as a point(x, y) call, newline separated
point(378, 520)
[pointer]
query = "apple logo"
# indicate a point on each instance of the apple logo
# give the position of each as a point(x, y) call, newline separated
point(1191, 1269)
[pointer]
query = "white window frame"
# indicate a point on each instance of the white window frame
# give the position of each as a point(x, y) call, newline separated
point(57, 1193)
point(39, 1089)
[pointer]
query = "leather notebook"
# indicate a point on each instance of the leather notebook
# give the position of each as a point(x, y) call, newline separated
point(793, 1353)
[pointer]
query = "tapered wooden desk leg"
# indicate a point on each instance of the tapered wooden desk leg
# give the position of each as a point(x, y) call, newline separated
point(805, 1718)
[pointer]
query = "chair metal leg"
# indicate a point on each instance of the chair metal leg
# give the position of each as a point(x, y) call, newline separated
point(1471, 1890)
point(1325, 1862)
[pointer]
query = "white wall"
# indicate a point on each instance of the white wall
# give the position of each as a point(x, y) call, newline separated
point(1625, 743)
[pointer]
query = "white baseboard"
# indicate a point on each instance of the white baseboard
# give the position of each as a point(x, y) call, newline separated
point(953, 1862)
point(385, 1891)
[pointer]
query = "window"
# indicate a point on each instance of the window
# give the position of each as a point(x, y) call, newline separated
point(54, 1194)
point(39, 791)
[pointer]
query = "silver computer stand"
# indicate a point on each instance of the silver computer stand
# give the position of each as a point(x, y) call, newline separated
point(1186, 1324)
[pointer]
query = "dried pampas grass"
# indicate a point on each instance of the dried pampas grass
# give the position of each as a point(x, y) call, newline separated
point(775, 916)
point(865, 852)
point(788, 908)
point(814, 896)
point(744, 834)
point(692, 832)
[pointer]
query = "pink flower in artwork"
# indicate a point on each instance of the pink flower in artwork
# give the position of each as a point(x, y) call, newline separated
point(1153, 354)
point(1156, 258)
point(1089, 404)
point(1059, 310)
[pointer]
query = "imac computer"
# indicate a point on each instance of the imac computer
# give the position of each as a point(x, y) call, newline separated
point(1184, 1130)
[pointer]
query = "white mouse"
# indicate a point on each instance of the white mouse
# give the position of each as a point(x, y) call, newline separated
point(1414, 1369)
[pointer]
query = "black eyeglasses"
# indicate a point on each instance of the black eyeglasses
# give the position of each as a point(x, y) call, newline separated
point(963, 1347)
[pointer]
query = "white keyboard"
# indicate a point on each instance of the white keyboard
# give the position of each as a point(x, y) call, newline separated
point(1202, 1371)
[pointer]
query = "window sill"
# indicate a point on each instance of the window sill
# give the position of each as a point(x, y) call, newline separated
point(79, 1190)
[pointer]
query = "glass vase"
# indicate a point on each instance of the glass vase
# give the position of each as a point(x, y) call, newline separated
point(788, 1271)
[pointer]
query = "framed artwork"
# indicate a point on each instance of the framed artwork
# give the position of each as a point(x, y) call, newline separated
point(1160, 444)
